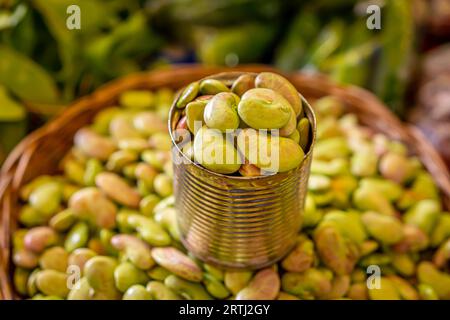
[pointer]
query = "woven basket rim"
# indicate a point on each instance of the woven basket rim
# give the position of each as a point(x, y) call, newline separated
point(14, 168)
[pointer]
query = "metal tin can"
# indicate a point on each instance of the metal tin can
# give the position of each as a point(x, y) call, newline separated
point(235, 221)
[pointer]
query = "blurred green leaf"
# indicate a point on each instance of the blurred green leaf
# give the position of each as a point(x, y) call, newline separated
point(353, 62)
point(25, 78)
point(353, 65)
point(11, 133)
point(23, 37)
point(397, 53)
point(326, 43)
point(290, 53)
point(124, 45)
point(2, 155)
point(11, 19)
point(10, 110)
point(12, 123)
point(239, 44)
point(98, 19)
point(214, 13)
point(94, 17)
point(334, 4)
point(357, 33)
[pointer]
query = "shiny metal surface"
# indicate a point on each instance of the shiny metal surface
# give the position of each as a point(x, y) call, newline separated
point(234, 221)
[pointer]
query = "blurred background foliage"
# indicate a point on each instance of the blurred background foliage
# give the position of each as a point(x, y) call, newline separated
point(44, 66)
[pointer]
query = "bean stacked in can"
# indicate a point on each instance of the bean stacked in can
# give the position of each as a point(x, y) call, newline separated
point(105, 228)
point(254, 126)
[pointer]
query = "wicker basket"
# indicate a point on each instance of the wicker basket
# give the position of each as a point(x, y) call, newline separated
point(40, 152)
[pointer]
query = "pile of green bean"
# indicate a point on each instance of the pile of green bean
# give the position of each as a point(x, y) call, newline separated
point(106, 227)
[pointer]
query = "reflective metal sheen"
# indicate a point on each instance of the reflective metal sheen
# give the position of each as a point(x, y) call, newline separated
point(234, 221)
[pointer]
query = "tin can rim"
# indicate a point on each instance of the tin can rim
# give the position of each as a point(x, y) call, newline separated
point(231, 76)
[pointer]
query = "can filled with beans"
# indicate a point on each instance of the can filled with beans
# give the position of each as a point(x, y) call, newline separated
point(237, 221)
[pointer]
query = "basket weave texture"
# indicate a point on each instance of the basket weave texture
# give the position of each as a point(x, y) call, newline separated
point(40, 152)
